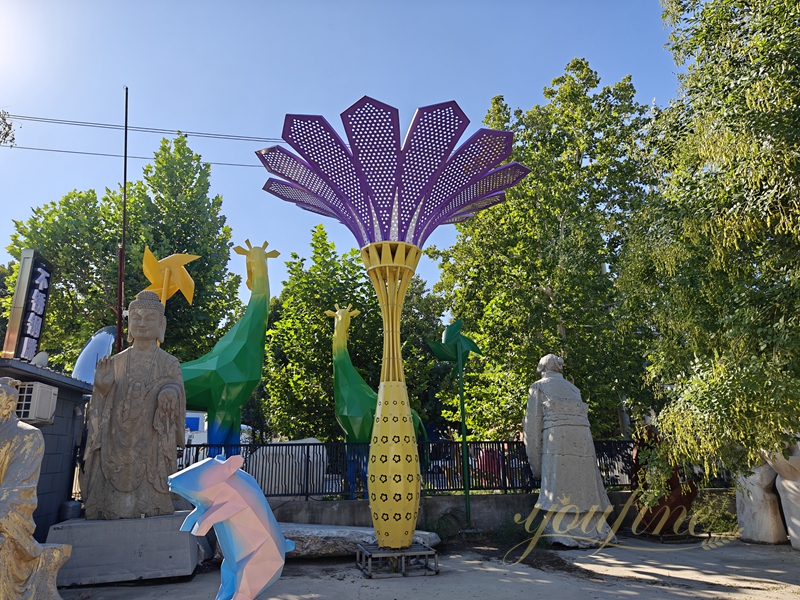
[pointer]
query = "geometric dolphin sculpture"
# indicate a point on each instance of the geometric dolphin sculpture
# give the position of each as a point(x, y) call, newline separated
point(232, 502)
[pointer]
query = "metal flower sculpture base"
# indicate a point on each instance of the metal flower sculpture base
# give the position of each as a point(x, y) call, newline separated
point(394, 477)
point(391, 196)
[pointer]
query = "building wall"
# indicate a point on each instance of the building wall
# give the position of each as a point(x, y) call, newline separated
point(58, 468)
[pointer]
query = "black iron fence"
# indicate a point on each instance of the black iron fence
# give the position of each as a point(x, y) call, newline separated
point(303, 469)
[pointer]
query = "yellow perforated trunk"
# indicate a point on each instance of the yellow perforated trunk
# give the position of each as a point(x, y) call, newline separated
point(394, 477)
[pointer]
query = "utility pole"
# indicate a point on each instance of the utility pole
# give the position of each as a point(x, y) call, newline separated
point(121, 253)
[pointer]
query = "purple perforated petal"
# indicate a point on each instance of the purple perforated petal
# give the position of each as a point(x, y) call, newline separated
point(433, 134)
point(382, 191)
point(470, 210)
point(494, 181)
point(373, 130)
point(316, 141)
point(304, 199)
point(474, 159)
point(284, 164)
point(280, 162)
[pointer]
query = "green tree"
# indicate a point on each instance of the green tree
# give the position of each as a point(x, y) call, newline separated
point(6, 129)
point(171, 212)
point(298, 380)
point(536, 274)
point(5, 295)
point(711, 263)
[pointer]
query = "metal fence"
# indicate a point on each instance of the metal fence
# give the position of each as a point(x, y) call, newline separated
point(302, 469)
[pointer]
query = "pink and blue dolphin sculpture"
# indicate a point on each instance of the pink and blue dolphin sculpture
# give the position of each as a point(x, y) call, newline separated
point(232, 502)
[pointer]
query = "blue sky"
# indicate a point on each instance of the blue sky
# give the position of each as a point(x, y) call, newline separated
point(238, 67)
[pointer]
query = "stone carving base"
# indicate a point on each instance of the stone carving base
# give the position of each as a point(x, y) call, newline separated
point(575, 537)
point(125, 549)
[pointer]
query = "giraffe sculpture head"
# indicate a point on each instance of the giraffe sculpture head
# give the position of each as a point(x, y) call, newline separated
point(342, 323)
point(256, 263)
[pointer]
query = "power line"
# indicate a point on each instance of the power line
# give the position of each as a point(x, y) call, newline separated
point(216, 136)
point(205, 162)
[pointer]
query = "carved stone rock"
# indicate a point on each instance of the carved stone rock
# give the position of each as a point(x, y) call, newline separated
point(314, 541)
point(135, 424)
point(757, 508)
point(27, 569)
point(759, 511)
point(561, 453)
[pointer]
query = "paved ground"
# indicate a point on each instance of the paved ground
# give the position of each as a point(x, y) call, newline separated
point(641, 569)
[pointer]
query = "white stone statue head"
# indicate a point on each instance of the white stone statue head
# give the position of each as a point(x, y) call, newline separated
point(146, 320)
point(551, 362)
point(9, 394)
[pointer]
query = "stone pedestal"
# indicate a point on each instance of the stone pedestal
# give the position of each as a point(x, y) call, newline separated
point(125, 549)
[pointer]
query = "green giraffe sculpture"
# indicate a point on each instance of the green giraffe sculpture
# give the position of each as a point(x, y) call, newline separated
point(221, 381)
point(355, 401)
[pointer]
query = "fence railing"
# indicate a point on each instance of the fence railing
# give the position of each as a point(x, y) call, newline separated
point(303, 469)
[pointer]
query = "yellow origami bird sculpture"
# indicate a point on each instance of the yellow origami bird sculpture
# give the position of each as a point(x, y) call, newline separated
point(168, 275)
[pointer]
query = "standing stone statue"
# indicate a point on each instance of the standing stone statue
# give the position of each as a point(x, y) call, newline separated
point(135, 422)
point(27, 569)
point(561, 453)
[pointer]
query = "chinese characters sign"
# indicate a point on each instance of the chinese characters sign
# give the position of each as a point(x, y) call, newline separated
point(28, 306)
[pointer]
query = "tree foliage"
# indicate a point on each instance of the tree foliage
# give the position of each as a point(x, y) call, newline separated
point(6, 129)
point(298, 380)
point(5, 295)
point(712, 264)
point(537, 274)
point(169, 211)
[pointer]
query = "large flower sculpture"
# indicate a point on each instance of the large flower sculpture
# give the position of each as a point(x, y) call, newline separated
point(392, 197)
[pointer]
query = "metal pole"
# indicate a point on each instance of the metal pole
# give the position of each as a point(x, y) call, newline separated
point(464, 455)
point(121, 255)
point(308, 466)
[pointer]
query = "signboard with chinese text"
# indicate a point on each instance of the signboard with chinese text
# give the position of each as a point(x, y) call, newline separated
point(28, 307)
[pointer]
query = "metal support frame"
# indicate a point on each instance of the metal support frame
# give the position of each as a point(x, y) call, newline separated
point(414, 560)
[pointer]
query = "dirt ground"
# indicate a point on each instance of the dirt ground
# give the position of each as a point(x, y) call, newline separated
point(638, 569)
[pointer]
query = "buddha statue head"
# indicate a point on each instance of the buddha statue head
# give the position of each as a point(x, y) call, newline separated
point(146, 320)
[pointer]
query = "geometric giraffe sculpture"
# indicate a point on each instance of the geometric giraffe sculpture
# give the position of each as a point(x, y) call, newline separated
point(391, 196)
point(355, 401)
point(221, 381)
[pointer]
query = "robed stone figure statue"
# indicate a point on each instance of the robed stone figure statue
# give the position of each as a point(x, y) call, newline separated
point(561, 453)
point(135, 422)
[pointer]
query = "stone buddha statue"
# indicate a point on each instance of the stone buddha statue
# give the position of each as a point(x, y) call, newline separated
point(136, 422)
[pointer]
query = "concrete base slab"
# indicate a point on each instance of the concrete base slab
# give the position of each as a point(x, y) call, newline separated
point(125, 549)
point(337, 540)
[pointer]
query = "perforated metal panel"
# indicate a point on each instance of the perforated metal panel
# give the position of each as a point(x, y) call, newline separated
point(433, 134)
point(380, 190)
point(475, 207)
point(470, 162)
point(316, 141)
point(467, 198)
point(373, 130)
